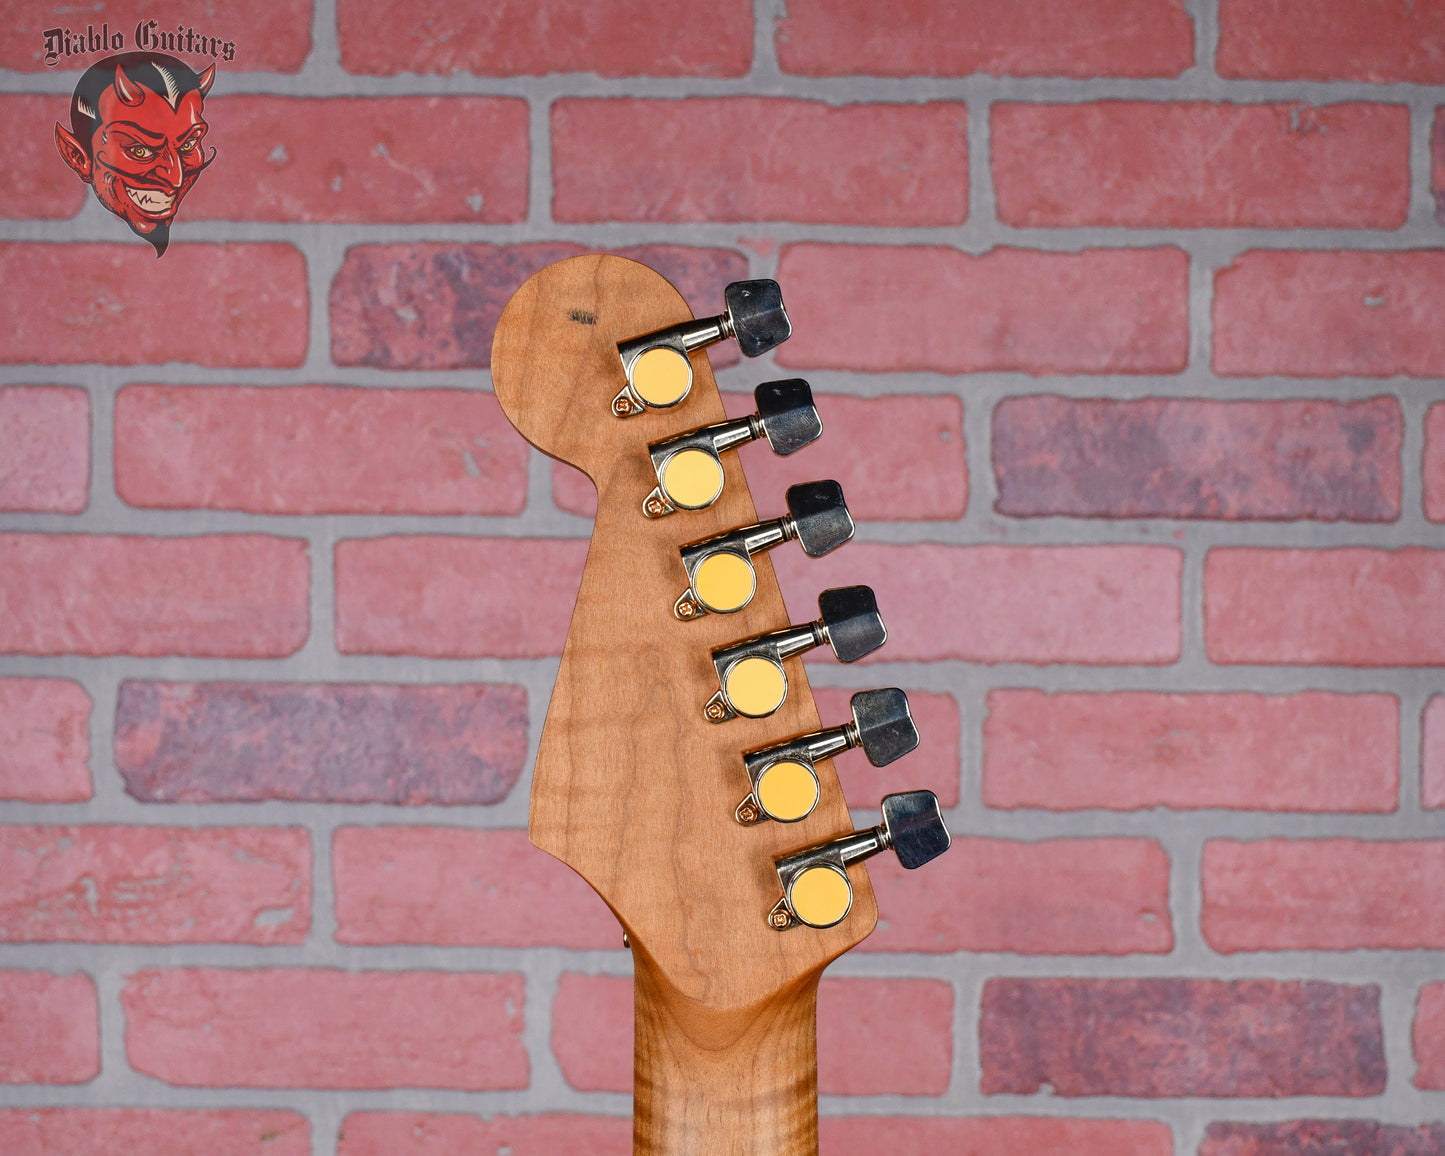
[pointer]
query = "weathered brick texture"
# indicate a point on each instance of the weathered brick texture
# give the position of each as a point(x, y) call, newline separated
point(1130, 750)
point(1432, 754)
point(363, 159)
point(939, 38)
point(45, 448)
point(321, 1028)
point(217, 305)
point(446, 885)
point(1332, 40)
point(339, 743)
point(1322, 894)
point(1433, 467)
point(1180, 1037)
point(760, 159)
point(176, 1132)
point(1348, 606)
point(874, 1036)
point(626, 38)
point(1158, 458)
point(420, 595)
point(33, 184)
point(1330, 314)
point(317, 449)
point(1187, 164)
point(991, 1135)
point(1037, 604)
point(44, 740)
point(49, 1031)
point(242, 595)
point(857, 307)
point(105, 884)
point(1428, 1037)
point(438, 1134)
point(1308, 1137)
point(1053, 897)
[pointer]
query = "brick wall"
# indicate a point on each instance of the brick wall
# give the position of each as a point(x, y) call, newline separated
point(1125, 316)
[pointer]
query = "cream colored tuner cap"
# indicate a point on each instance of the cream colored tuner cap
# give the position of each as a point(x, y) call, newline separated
point(755, 687)
point(821, 896)
point(661, 376)
point(787, 790)
point(691, 479)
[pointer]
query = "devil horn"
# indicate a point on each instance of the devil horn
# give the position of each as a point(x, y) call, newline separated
point(206, 78)
point(127, 90)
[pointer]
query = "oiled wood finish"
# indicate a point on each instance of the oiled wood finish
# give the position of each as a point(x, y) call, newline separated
point(633, 788)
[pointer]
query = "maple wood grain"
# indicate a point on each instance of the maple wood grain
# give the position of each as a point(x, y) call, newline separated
point(633, 788)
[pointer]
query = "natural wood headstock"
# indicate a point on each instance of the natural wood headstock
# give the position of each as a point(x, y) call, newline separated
point(633, 788)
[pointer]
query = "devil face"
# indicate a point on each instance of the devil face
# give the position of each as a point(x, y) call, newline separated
point(147, 155)
point(138, 141)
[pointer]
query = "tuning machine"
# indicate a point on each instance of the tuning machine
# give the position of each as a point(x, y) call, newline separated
point(750, 673)
point(720, 570)
point(815, 883)
point(658, 371)
point(784, 775)
point(689, 474)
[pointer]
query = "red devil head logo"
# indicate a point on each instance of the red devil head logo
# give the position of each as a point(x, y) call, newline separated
point(135, 137)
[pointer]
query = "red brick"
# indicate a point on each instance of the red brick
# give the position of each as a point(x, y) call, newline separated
point(1162, 458)
point(32, 184)
point(1318, 1137)
point(241, 595)
point(1053, 897)
point(49, 1031)
point(859, 308)
point(938, 38)
point(436, 306)
point(897, 458)
point(273, 35)
point(992, 1136)
point(155, 884)
point(1432, 753)
point(1193, 164)
point(44, 740)
point(447, 885)
point(1180, 1037)
point(1322, 895)
point(126, 1131)
point(626, 38)
point(875, 1036)
point(339, 743)
point(1428, 1037)
point(1345, 607)
point(1040, 604)
point(1370, 40)
point(366, 159)
point(438, 1134)
point(223, 305)
point(317, 449)
point(933, 765)
point(45, 447)
point(1319, 314)
point(1437, 164)
point(1132, 750)
point(421, 595)
point(760, 159)
point(1433, 467)
point(321, 1028)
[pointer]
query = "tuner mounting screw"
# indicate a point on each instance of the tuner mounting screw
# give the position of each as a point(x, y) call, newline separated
point(716, 711)
point(654, 507)
point(779, 918)
point(621, 406)
point(747, 813)
point(686, 610)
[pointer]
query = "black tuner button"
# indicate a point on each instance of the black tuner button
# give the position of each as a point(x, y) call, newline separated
point(885, 726)
point(913, 824)
point(755, 309)
point(787, 413)
point(820, 516)
point(851, 620)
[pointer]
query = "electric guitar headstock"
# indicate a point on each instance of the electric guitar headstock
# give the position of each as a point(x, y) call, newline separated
point(683, 770)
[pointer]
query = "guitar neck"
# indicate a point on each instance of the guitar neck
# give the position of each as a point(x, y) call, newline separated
point(723, 1083)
